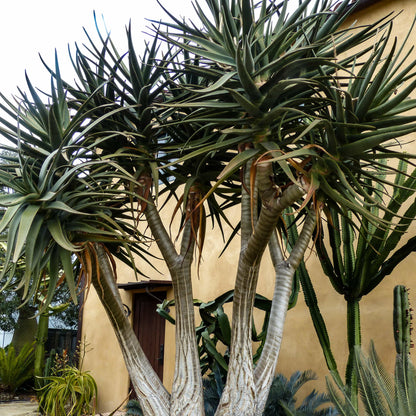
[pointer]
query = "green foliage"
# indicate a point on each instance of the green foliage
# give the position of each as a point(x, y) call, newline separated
point(282, 400)
point(49, 364)
point(133, 408)
point(253, 80)
point(402, 320)
point(357, 262)
point(247, 84)
point(72, 393)
point(381, 394)
point(63, 312)
point(66, 390)
point(9, 302)
point(15, 368)
point(10, 299)
point(357, 256)
point(213, 388)
point(49, 368)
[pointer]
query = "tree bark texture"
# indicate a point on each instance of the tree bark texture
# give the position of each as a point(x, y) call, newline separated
point(246, 390)
point(187, 392)
point(354, 340)
point(41, 338)
point(154, 398)
point(26, 327)
point(285, 271)
point(239, 396)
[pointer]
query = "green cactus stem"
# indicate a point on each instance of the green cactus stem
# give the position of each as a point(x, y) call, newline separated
point(402, 320)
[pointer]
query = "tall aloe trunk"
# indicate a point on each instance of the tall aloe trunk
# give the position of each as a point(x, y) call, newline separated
point(247, 275)
point(152, 395)
point(285, 271)
point(239, 396)
point(187, 392)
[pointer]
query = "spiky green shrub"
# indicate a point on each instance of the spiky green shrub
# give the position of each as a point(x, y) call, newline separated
point(133, 408)
point(71, 393)
point(381, 393)
point(282, 397)
point(15, 367)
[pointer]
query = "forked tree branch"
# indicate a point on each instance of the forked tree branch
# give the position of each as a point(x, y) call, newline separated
point(186, 397)
point(240, 369)
point(285, 271)
point(154, 398)
point(161, 236)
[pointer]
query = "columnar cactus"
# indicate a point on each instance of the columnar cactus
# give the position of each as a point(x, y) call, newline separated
point(402, 320)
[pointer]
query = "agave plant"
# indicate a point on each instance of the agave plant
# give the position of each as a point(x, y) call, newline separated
point(251, 106)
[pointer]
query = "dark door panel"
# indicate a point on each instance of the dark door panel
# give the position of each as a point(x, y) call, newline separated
point(149, 327)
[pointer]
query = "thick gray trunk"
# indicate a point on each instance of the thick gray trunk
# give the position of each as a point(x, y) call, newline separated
point(266, 366)
point(239, 396)
point(26, 326)
point(152, 395)
point(187, 393)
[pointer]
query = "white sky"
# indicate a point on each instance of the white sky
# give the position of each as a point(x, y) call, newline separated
point(29, 27)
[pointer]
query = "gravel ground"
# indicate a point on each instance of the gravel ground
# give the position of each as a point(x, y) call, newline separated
point(18, 408)
point(29, 408)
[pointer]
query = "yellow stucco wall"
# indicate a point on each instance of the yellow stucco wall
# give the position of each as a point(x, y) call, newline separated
point(300, 349)
point(103, 358)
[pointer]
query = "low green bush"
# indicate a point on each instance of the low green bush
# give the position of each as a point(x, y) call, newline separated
point(282, 397)
point(72, 393)
point(67, 390)
point(15, 367)
point(381, 393)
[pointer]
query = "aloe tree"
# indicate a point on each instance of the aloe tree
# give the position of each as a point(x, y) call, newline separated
point(250, 106)
point(357, 256)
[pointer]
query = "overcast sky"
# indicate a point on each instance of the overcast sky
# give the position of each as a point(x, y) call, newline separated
point(29, 27)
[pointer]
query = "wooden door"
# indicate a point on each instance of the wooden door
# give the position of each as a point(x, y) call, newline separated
point(149, 327)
